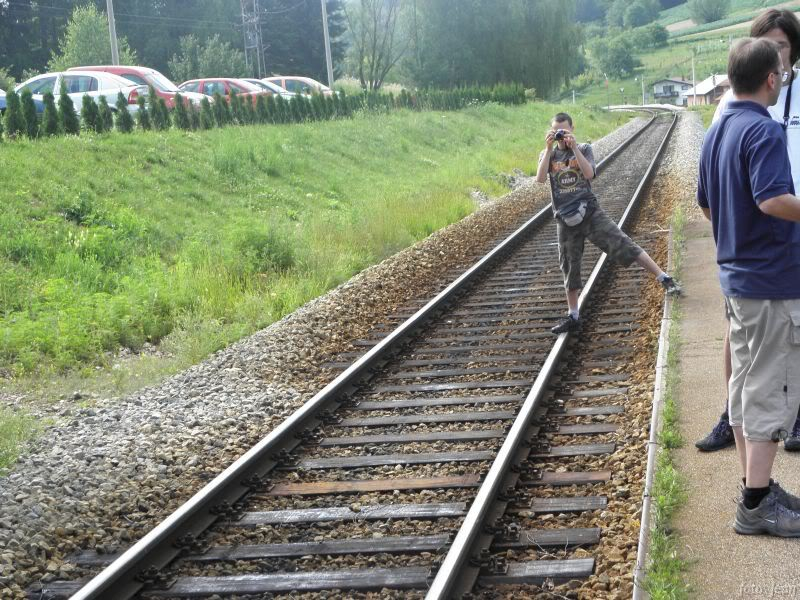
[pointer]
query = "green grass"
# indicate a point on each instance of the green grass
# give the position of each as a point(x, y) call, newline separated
point(15, 429)
point(737, 8)
point(666, 569)
point(706, 113)
point(197, 239)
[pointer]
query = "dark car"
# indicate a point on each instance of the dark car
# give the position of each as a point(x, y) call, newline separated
point(38, 103)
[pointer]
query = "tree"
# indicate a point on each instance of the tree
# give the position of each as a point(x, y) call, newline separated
point(708, 11)
point(105, 118)
point(89, 113)
point(615, 14)
point(641, 12)
point(124, 120)
point(86, 42)
point(143, 115)
point(614, 57)
point(50, 120)
point(14, 119)
point(214, 58)
point(378, 40)
point(68, 120)
point(206, 114)
point(220, 108)
point(29, 114)
point(180, 115)
point(7, 82)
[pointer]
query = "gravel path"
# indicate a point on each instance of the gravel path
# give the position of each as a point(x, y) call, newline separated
point(105, 475)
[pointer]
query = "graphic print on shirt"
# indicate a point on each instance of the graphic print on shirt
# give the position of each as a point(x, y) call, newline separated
point(567, 175)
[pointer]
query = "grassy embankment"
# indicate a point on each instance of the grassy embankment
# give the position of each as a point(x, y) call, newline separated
point(193, 240)
point(666, 569)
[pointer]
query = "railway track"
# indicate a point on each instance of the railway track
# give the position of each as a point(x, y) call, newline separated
point(430, 465)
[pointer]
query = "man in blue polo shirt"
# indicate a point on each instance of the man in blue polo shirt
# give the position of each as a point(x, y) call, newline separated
point(745, 187)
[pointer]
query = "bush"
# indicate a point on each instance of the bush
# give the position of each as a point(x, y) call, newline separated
point(50, 121)
point(29, 114)
point(143, 116)
point(236, 108)
point(105, 118)
point(194, 117)
point(180, 115)
point(89, 113)
point(124, 121)
point(220, 109)
point(66, 112)
point(157, 116)
point(206, 114)
point(14, 119)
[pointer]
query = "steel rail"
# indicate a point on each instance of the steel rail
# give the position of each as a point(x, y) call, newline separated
point(461, 550)
point(122, 578)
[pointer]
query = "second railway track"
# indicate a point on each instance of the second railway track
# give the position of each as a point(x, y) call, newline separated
point(372, 486)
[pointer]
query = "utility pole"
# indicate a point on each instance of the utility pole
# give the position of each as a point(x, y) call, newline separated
point(608, 94)
point(643, 98)
point(694, 82)
point(328, 61)
point(573, 96)
point(112, 31)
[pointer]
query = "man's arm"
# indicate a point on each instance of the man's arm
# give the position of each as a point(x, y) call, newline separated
point(784, 206)
point(544, 158)
point(586, 167)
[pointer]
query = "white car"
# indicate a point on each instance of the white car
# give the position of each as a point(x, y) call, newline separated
point(93, 83)
point(272, 87)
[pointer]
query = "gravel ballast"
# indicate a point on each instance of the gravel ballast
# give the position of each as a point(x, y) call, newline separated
point(103, 476)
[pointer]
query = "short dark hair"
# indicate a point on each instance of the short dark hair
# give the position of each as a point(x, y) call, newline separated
point(750, 62)
point(561, 117)
point(786, 21)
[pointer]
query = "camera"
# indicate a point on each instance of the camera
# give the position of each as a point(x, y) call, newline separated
point(560, 134)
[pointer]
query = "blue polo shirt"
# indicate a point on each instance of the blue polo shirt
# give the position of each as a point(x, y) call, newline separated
point(743, 163)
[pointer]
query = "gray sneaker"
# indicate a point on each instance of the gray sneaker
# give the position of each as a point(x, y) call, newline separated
point(790, 501)
point(770, 518)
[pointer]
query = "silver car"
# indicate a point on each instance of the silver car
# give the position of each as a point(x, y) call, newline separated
point(93, 83)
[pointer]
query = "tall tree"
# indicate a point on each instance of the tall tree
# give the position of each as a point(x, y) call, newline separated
point(379, 41)
point(708, 11)
point(86, 42)
point(214, 58)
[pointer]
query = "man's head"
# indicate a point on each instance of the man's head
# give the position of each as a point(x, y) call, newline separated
point(783, 28)
point(561, 121)
point(755, 68)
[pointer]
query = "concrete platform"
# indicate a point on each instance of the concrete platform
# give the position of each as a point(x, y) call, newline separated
point(725, 565)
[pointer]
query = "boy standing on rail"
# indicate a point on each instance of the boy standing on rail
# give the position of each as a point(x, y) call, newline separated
point(570, 167)
point(745, 188)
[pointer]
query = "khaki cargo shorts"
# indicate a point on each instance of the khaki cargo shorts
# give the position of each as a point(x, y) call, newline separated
point(764, 390)
point(599, 229)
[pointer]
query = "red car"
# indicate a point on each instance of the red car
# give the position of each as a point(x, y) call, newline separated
point(143, 76)
point(209, 87)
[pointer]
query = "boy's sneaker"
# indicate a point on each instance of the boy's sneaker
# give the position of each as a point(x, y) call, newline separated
point(792, 443)
point(790, 501)
point(720, 437)
point(568, 324)
point(770, 518)
point(671, 286)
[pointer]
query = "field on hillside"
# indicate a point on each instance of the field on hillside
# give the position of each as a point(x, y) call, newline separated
point(681, 12)
point(196, 239)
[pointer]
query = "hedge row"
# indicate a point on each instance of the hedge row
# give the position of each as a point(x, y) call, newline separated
point(21, 119)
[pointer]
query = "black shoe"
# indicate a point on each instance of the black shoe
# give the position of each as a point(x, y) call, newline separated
point(568, 324)
point(720, 437)
point(792, 443)
point(671, 286)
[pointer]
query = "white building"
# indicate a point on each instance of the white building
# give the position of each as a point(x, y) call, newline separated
point(668, 91)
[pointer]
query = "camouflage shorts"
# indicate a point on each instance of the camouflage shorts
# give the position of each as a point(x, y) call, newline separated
point(599, 229)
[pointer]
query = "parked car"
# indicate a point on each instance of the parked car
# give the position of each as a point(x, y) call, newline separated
point(38, 103)
point(272, 88)
point(150, 77)
point(93, 83)
point(223, 85)
point(301, 85)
